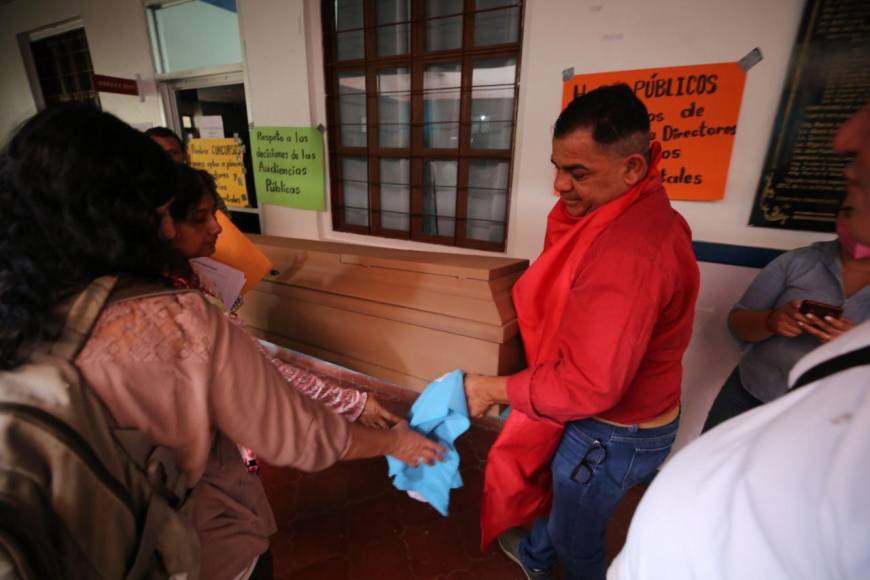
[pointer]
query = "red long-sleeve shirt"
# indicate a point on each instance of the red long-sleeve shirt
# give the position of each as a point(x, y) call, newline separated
point(625, 327)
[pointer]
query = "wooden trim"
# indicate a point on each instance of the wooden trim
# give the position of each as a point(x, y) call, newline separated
point(327, 16)
point(392, 234)
point(371, 100)
point(354, 229)
point(430, 239)
point(486, 246)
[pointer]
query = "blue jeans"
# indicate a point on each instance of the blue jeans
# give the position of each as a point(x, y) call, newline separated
point(594, 466)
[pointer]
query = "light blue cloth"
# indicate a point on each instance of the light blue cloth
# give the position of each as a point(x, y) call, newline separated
point(440, 413)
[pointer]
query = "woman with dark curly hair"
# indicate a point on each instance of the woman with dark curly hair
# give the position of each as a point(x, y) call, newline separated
point(73, 209)
point(83, 195)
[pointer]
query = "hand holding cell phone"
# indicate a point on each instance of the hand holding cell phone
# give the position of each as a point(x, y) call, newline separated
point(820, 309)
point(825, 321)
point(787, 320)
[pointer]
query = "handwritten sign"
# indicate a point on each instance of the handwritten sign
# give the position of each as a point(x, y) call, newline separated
point(223, 159)
point(288, 166)
point(693, 112)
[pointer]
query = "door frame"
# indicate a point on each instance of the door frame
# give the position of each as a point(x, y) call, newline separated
point(169, 84)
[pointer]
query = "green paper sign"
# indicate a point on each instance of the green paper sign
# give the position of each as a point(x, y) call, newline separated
point(288, 166)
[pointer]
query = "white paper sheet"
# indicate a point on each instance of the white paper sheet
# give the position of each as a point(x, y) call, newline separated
point(210, 126)
point(225, 280)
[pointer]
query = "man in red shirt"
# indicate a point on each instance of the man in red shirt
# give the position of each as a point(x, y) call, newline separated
point(605, 314)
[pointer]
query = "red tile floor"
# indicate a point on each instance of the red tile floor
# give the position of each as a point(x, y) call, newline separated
point(348, 522)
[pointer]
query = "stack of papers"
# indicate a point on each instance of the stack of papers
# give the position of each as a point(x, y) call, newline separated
point(225, 280)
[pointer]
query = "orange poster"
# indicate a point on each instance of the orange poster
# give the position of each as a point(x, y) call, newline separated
point(693, 113)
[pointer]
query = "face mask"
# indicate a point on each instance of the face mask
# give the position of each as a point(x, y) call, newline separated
point(855, 248)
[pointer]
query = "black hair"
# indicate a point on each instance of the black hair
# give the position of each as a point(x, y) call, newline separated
point(166, 133)
point(79, 190)
point(613, 113)
point(192, 185)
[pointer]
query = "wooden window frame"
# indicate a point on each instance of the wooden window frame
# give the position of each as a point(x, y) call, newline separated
point(415, 61)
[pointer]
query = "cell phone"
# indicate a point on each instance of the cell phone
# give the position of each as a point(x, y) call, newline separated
point(820, 309)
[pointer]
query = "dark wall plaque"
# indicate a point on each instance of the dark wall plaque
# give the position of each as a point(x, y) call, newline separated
point(829, 79)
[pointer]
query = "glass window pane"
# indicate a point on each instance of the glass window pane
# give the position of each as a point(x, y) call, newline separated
point(441, 84)
point(443, 33)
point(353, 135)
point(352, 107)
point(395, 194)
point(84, 81)
point(350, 45)
point(394, 107)
point(81, 60)
point(348, 14)
point(394, 39)
point(352, 82)
point(436, 8)
point(439, 198)
point(494, 72)
point(51, 87)
point(496, 26)
point(491, 134)
point(195, 34)
point(390, 11)
point(355, 182)
point(487, 200)
point(492, 103)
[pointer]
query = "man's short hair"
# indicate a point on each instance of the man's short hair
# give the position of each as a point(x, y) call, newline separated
point(613, 114)
point(166, 133)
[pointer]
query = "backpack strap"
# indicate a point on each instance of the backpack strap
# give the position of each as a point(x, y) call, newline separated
point(82, 316)
point(835, 365)
point(157, 462)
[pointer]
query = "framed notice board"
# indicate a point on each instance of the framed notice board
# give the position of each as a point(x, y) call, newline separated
point(802, 182)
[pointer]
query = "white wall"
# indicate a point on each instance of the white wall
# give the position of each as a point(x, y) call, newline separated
point(712, 353)
point(273, 31)
point(118, 40)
